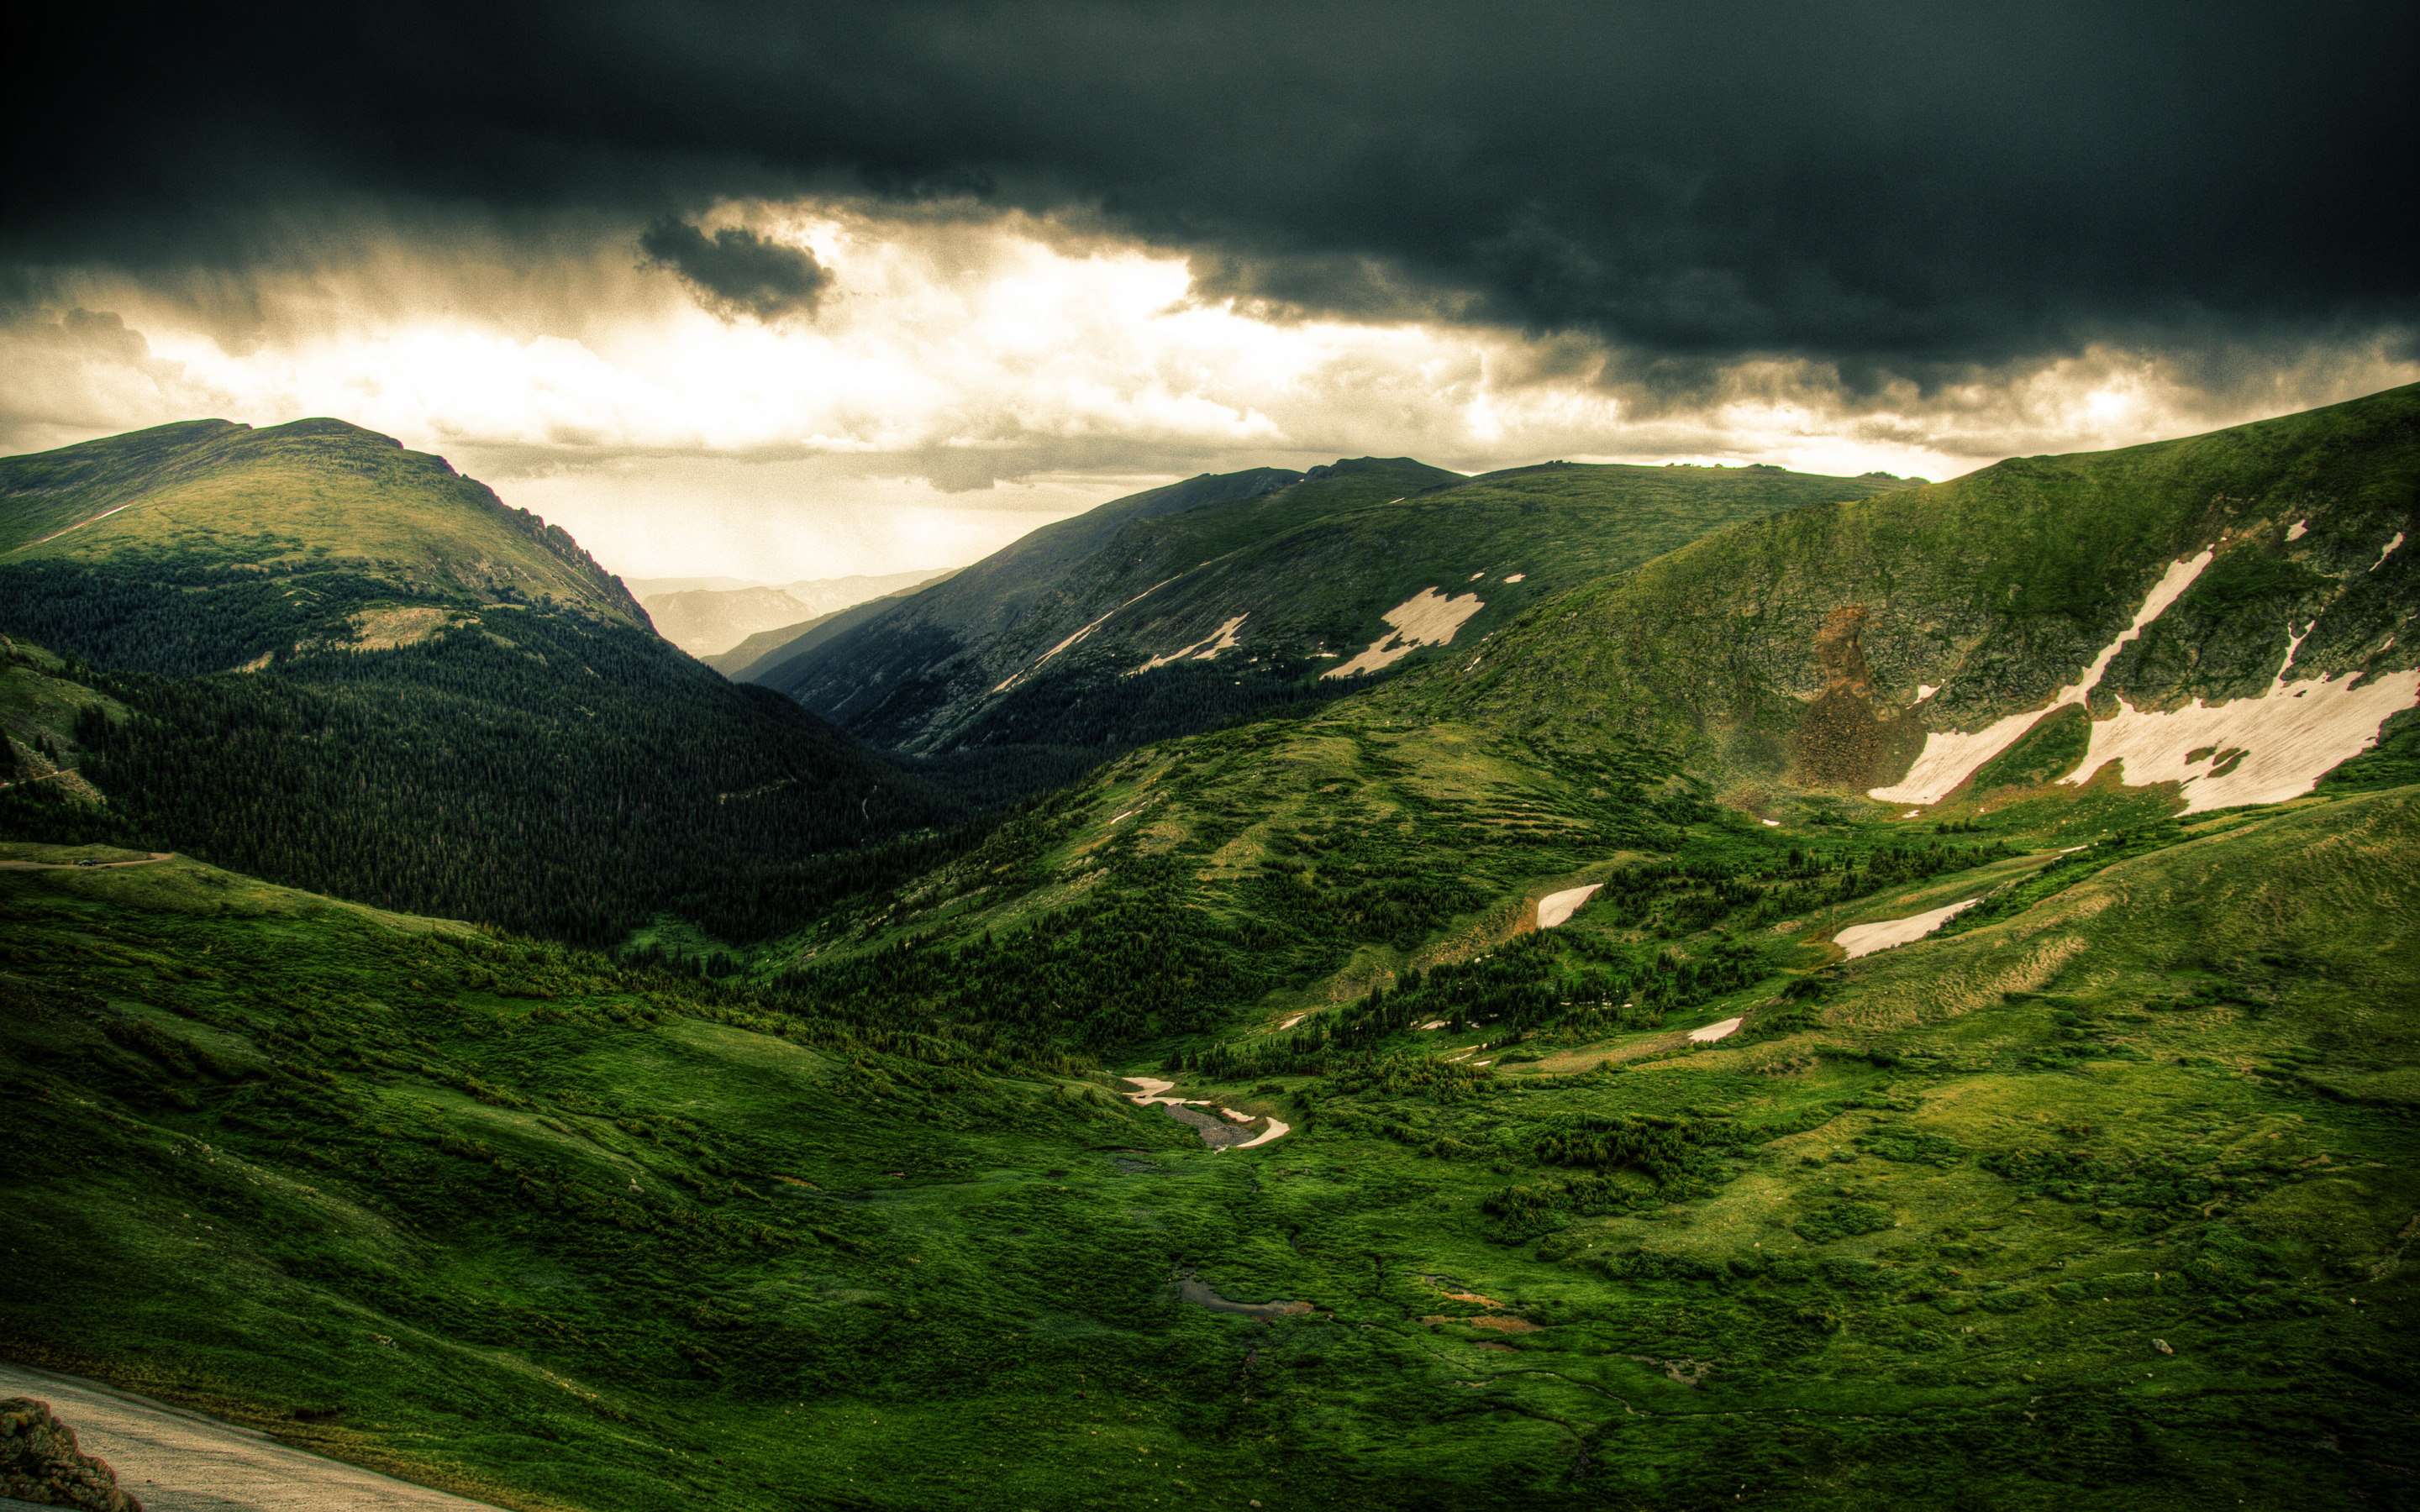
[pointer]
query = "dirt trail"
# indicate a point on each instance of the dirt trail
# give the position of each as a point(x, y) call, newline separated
point(173, 1461)
point(78, 525)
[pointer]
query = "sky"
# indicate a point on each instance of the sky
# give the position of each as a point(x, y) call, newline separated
point(792, 290)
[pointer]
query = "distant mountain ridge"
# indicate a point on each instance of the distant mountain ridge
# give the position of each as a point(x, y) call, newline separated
point(710, 619)
point(1175, 609)
point(769, 648)
point(704, 621)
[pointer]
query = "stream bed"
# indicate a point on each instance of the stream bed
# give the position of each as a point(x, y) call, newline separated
point(1220, 1129)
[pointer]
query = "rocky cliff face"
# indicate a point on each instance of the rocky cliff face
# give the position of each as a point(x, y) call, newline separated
point(40, 1462)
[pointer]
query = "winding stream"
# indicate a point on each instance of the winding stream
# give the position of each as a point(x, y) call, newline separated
point(1217, 1133)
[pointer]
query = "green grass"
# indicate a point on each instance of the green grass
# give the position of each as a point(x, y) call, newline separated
point(2099, 1198)
point(374, 1179)
point(287, 499)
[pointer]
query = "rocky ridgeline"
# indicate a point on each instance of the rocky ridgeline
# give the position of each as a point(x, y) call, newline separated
point(40, 1462)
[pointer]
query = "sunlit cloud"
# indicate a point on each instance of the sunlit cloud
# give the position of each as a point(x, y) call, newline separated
point(924, 387)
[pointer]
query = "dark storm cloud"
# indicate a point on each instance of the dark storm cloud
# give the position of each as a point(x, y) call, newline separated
point(1892, 187)
point(735, 271)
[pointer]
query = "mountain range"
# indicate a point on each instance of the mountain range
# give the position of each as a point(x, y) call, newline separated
point(1173, 609)
point(1741, 988)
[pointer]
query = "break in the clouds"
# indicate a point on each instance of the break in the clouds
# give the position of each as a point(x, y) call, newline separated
point(949, 257)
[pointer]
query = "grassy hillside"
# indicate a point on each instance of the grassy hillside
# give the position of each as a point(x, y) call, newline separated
point(2098, 1203)
point(895, 675)
point(310, 655)
point(282, 503)
point(1178, 620)
point(1822, 647)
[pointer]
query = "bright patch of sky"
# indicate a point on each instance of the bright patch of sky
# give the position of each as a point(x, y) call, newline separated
point(966, 378)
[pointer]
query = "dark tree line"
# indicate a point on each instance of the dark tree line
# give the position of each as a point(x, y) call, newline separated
point(572, 780)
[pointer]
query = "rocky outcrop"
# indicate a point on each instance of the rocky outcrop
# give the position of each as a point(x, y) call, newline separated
point(40, 1462)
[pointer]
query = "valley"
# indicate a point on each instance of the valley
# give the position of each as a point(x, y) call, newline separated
point(1818, 996)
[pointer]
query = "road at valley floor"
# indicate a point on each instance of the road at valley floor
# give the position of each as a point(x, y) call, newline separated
point(174, 1460)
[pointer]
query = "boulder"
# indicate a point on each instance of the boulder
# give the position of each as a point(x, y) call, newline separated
point(40, 1462)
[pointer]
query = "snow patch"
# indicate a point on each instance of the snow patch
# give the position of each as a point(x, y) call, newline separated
point(1716, 1031)
point(1950, 758)
point(1014, 678)
point(1518, 576)
point(2388, 553)
point(1275, 1130)
point(1865, 939)
point(2286, 739)
point(1773, 824)
point(1925, 690)
point(2298, 530)
point(1476, 576)
point(1558, 907)
point(1432, 1023)
point(1205, 649)
point(1428, 618)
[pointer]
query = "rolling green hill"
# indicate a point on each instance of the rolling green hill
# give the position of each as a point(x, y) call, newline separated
point(1156, 624)
point(308, 654)
point(287, 502)
point(2102, 1204)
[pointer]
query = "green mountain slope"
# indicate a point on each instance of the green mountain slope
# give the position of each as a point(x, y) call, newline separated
point(443, 705)
point(922, 661)
point(289, 501)
point(1899, 644)
point(1179, 620)
point(2101, 1203)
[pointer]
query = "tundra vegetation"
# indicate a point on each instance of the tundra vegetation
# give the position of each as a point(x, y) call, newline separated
point(2100, 1196)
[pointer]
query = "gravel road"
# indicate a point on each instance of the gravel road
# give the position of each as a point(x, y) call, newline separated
point(173, 1461)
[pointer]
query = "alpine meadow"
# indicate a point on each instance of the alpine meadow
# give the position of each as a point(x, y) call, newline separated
point(1819, 991)
point(1165, 756)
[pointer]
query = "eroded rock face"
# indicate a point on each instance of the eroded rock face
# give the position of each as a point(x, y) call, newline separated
point(1845, 740)
point(40, 1462)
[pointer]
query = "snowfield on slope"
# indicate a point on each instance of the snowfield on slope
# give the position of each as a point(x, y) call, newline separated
point(1949, 757)
point(1205, 649)
point(1558, 907)
point(2261, 749)
point(1865, 939)
point(1428, 618)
